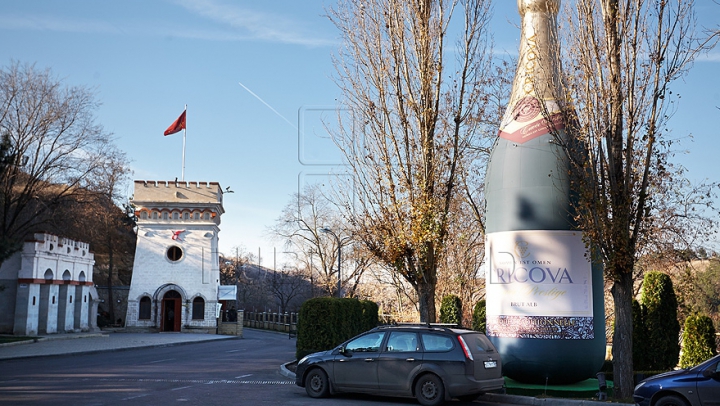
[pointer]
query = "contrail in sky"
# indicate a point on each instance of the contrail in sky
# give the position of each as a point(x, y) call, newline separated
point(268, 106)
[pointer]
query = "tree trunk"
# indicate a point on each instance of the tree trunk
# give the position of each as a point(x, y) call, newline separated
point(622, 336)
point(426, 301)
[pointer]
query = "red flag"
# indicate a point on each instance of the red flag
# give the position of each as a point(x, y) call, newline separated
point(178, 125)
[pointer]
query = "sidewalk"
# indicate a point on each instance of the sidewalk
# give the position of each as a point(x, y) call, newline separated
point(77, 343)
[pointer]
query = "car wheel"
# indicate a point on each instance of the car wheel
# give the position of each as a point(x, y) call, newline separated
point(316, 383)
point(429, 390)
point(671, 401)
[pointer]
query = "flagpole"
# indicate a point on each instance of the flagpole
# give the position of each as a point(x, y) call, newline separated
point(183, 151)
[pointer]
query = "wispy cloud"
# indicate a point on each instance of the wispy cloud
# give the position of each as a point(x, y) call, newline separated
point(38, 22)
point(271, 27)
point(230, 23)
point(712, 56)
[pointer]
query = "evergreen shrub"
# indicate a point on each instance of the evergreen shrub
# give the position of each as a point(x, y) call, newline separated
point(451, 310)
point(639, 337)
point(661, 323)
point(698, 340)
point(325, 322)
point(479, 317)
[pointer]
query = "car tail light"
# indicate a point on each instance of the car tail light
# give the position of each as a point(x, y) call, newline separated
point(465, 348)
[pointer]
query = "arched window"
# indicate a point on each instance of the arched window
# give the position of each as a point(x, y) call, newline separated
point(145, 308)
point(66, 275)
point(198, 309)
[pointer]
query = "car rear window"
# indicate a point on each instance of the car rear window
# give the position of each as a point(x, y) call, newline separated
point(436, 342)
point(478, 343)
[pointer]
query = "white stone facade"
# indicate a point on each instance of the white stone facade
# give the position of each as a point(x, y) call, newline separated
point(176, 273)
point(48, 287)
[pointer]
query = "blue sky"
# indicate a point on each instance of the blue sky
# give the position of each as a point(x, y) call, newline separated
point(249, 72)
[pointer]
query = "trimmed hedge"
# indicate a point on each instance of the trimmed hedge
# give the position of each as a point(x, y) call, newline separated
point(479, 321)
point(698, 340)
point(451, 310)
point(325, 322)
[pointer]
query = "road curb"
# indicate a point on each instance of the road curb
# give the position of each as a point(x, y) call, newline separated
point(69, 336)
point(286, 372)
point(532, 401)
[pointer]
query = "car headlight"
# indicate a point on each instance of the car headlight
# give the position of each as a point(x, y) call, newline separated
point(640, 385)
point(303, 359)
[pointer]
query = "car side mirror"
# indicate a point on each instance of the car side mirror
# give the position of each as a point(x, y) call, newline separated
point(709, 373)
point(344, 351)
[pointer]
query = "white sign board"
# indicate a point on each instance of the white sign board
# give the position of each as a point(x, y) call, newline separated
point(227, 292)
point(538, 285)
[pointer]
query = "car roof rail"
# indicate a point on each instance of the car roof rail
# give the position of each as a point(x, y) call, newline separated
point(444, 326)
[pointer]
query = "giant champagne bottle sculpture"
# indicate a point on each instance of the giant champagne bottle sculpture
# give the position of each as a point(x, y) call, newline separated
point(545, 309)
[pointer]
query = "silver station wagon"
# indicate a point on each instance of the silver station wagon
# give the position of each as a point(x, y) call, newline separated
point(429, 362)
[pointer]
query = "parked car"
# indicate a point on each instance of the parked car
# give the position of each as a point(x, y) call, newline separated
point(697, 386)
point(429, 362)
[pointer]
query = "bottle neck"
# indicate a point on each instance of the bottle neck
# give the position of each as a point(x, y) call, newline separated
point(537, 66)
point(533, 110)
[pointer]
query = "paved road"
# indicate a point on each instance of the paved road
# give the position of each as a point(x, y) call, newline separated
point(162, 369)
point(217, 372)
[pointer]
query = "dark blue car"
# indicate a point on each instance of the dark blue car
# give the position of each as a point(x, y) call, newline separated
point(431, 363)
point(697, 386)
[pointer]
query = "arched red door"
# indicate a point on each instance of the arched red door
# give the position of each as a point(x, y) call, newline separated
point(171, 307)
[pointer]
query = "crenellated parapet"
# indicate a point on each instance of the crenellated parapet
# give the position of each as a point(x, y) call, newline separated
point(48, 287)
point(178, 202)
point(47, 258)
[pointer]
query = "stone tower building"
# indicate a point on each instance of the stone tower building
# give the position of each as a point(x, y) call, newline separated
point(176, 275)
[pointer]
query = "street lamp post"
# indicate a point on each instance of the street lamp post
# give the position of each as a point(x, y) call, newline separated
point(337, 239)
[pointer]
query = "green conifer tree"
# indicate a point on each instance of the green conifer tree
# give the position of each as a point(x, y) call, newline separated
point(698, 340)
point(663, 329)
point(479, 322)
point(451, 310)
point(640, 347)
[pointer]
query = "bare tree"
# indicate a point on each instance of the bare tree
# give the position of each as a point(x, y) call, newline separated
point(57, 150)
point(112, 229)
point(620, 58)
point(416, 106)
point(300, 227)
point(287, 286)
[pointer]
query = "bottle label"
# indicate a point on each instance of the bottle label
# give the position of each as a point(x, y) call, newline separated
point(527, 120)
point(538, 285)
